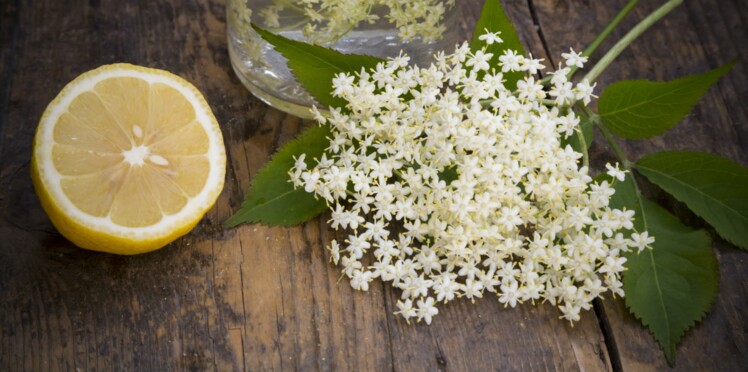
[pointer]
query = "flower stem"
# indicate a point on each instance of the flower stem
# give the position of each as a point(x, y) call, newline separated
point(583, 146)
point(626, 164)
point(611, 141)
point(606, 32)
point(630, 37)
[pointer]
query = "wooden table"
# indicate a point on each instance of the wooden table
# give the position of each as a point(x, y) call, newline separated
point(259, 298)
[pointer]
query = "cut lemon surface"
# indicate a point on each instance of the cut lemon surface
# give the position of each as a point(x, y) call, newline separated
point(126, 159)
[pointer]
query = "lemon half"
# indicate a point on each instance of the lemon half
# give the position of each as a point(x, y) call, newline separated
point(126, 159)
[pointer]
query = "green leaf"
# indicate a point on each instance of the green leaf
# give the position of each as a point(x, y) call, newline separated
point(493, 19)
point(315, 66)
point(272, 198)
point(638, 109)
point(673, 285)
point(448, 175)
point(713, 187)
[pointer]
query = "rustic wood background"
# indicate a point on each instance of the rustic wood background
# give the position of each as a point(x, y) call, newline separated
point(260, 298)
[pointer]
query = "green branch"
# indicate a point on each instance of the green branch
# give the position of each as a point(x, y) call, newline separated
point(606, 32)
point(630, 37)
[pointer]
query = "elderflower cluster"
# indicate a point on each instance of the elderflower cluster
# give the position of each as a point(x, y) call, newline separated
point(328, 20)
point(451, 185)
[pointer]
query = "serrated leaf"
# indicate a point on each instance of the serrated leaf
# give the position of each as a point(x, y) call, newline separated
point(494, 19)
point(713, 187)
point(636, 109)
point(315, 66)
point(671, 286)
point(272, 198)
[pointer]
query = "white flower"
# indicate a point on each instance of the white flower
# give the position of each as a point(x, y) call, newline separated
point(615, 172)
point(642, 240)
point(570, 312)
point(509, 294)
point(574, 59)
point(310, 180)
point(350, 265)
point(357, 246)
point(343, 85)
point(564, 94)
point(317, 115)
point(446, 287)
point(510, 61)
point(532, 65)
point(559, 76)
point(529, 89)
point(613, 265)
point(491, 37)
point(299, 162)
point(472, 289)
point(270, 15)
point(426, 310)
point(334, 249)
point(400, 61)
point(625, 218)
point(615, 286)
point(328, 20)
point(406, 310)
point(488, 199)
point(360, 280)
point(584, 91)
point(568, 124)
point(480, 60)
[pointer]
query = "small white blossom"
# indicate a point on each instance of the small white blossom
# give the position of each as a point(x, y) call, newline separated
point(564, 94)
point(532, 65)
point(270, 15)
point(426, 310)
point(615, 172)
point(328, 20)
point(509, 294)
point(472, 289)
point(559, 76)
point(491, 37)
point(571, 312)
point(334, 249)
point(584, 91)
point(406, 310)
point(310, 180)
point(474, 174)
point(511, 61)
point(480, 60)
point(642, 240)
point(360, 280)
point(529, 89)
point(574, 59)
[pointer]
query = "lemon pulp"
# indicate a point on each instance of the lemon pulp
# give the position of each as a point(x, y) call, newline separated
point(127, 158)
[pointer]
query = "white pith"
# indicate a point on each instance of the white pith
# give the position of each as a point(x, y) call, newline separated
point(136, 155)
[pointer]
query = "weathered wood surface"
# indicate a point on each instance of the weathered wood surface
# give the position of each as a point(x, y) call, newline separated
point(258, 298)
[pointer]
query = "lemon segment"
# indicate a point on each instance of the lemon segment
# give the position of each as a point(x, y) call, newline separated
point(126, 159)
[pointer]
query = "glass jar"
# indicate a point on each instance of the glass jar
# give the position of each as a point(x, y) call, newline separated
point(381, 28)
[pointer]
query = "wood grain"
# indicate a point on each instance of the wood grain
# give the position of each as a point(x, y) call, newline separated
point(267, 298)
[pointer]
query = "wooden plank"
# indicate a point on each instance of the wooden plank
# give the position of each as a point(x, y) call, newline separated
point(698, 36)
point(9, 27)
